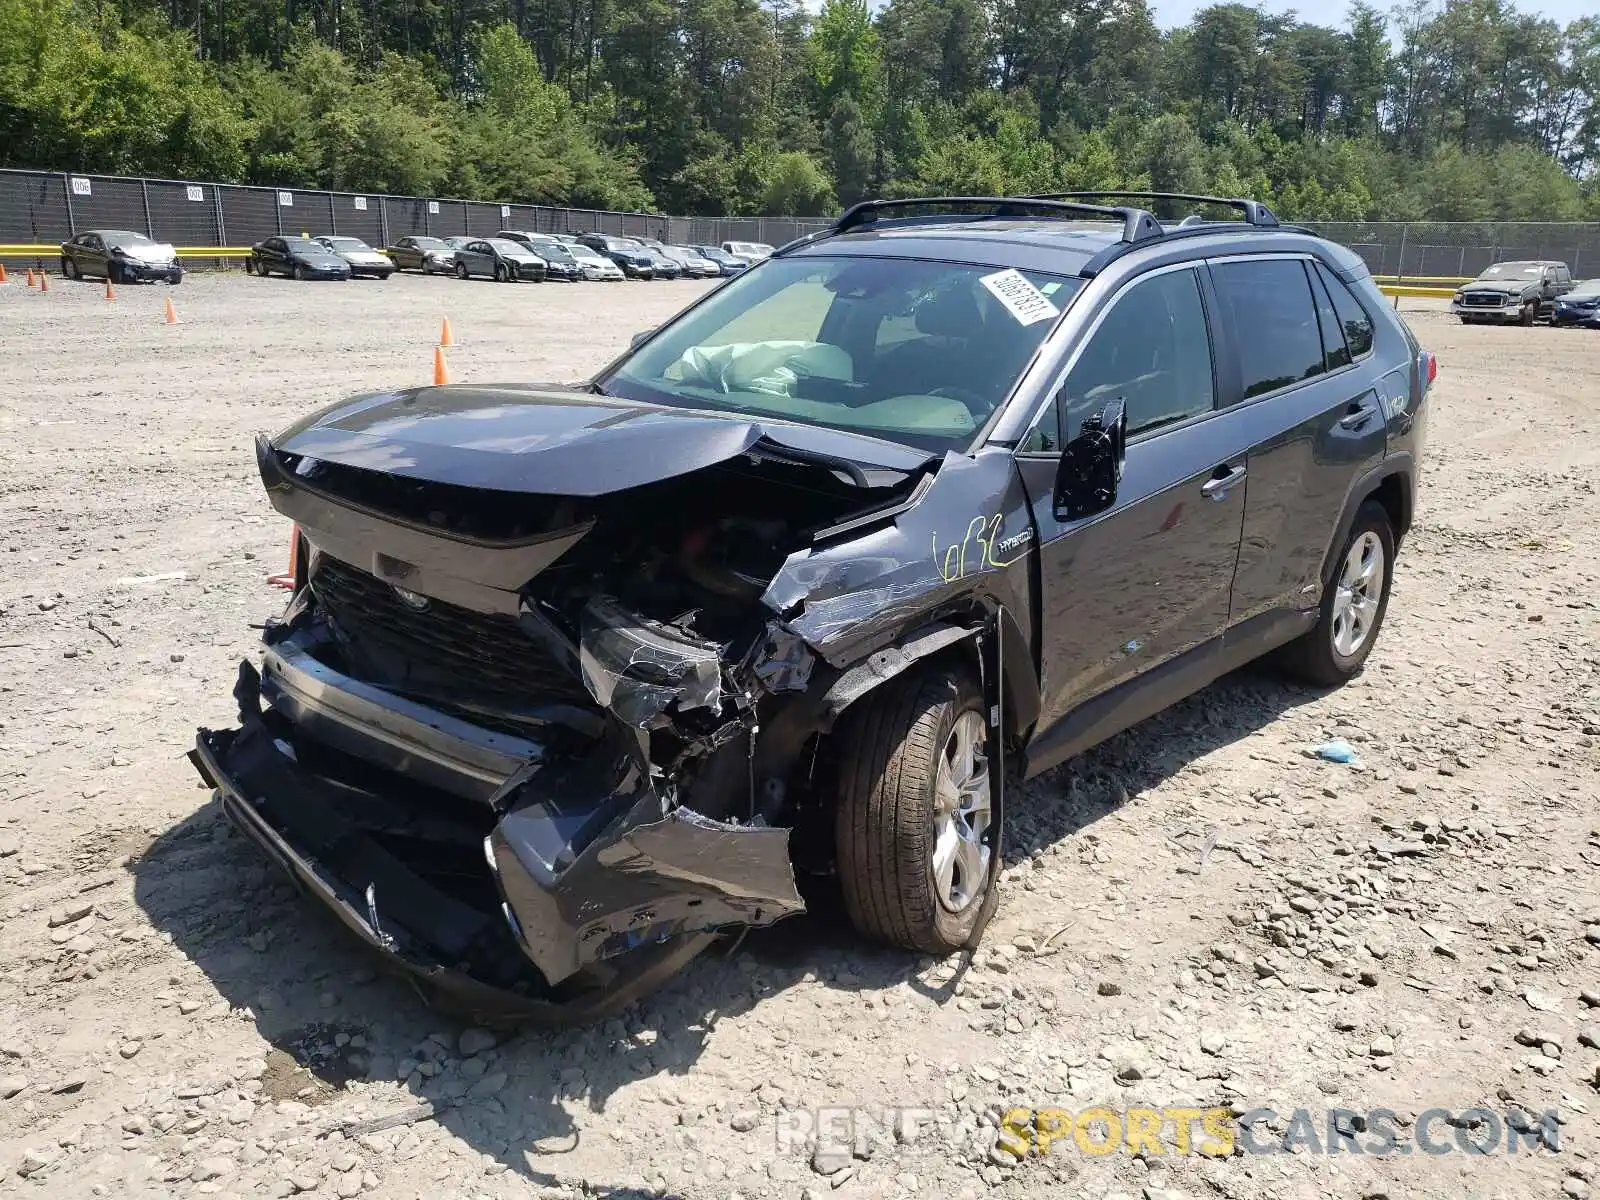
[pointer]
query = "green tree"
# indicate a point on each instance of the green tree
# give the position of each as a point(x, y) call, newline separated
point(797, 187)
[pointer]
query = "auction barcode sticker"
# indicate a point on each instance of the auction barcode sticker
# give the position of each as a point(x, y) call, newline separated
point(1022, 300)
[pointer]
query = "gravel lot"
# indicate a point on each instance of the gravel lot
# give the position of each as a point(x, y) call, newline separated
point(1199, 913)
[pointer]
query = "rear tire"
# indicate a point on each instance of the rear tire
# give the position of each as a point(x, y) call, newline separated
point(1353, 605)
point(912, 824)
point(69, 268)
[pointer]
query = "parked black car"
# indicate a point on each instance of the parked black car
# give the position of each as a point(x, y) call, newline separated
point(631, 256)
point(296, 257)
point(558, 260)
point(411, 253)
point(119, 255)
point(1518, 292)
point(575, 677)
point(1580, 306)
point(729, 264)
point(363, 259)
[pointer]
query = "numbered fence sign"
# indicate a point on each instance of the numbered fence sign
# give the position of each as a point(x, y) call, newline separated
point(80, 186)
point(433, 208)
point(361, 203)
point(505, 212)
point(196, 192)
point(286, 199)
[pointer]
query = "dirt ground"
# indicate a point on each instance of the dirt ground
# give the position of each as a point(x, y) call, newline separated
point(1199, 914)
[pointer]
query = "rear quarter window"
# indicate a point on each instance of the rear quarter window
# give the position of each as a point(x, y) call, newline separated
point(1353, 318)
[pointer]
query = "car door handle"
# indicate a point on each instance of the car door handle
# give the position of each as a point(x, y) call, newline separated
point(1218, 487)
point(1358, 418)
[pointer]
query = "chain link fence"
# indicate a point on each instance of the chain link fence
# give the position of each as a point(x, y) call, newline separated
point(39, 208)
point(1423, 250)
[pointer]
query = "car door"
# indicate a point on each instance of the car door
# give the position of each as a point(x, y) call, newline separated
point(1302, 349)
point(93, 261)
point(1143, 588)
point(275, 254)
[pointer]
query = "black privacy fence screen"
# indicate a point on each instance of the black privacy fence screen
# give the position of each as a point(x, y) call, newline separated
point(213, 223)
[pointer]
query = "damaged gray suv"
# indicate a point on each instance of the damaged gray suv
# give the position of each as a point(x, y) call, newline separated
point(574, 679)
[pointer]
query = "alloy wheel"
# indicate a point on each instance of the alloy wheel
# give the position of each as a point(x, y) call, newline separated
point(961, 815)
point(1360, 591)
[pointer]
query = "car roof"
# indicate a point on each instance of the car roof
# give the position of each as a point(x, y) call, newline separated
point(120, 233)
point(1056, 247)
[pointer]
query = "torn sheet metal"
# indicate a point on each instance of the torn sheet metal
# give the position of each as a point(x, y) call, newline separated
point(592, 864)
point(964, 540)
point(637, 667)
point(782, 662)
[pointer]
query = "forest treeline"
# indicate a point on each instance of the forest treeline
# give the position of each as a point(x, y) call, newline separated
point(1470, 109)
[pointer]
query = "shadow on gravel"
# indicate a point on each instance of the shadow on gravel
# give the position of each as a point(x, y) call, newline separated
point(1073, 796)
point(319, 998)
point(331, 1015)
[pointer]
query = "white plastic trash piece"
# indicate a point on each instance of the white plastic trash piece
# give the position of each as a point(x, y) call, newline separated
point(164, 577)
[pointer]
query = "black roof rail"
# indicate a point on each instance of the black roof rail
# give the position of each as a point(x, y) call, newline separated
point(1137, 224)
point(1253, 211)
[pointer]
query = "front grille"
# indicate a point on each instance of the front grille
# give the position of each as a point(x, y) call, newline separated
point(1483, 300)
point(443, 647)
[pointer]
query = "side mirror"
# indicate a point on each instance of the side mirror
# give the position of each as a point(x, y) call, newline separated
point(1091, 465)
point(640, 338)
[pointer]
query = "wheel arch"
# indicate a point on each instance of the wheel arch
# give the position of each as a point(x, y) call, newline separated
point(989, 644)
point(1392, 485)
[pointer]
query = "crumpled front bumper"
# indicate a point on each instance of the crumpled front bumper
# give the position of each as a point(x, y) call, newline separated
point(596, 886)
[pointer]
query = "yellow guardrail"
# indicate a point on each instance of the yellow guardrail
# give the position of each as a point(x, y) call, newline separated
point(1423, 280)
point(1405, 289)
point(18, 250)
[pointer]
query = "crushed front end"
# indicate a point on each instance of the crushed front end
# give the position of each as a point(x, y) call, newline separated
point(538, 749)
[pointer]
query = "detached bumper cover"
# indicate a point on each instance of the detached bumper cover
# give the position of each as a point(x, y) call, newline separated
point(604, 887)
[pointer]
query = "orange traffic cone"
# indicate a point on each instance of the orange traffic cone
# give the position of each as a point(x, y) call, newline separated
point(32, 282)
point(441, 376)
point(172, 313)
point(286, 580)
point(3, 278)
point(444, 331)
point(111, 292)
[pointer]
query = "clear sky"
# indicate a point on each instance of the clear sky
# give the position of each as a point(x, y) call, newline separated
point(1178, 12)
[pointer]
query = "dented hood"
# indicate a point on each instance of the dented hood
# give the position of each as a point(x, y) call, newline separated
point(527, 439)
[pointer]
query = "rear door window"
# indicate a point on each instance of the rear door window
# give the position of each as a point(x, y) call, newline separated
point(1274, 321)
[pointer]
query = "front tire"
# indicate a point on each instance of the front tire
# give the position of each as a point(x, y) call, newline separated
point(461, 271)
point(502, 273)
point(1353, 605)
point(912, 827)
point(69, 268)
point(299, 272)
